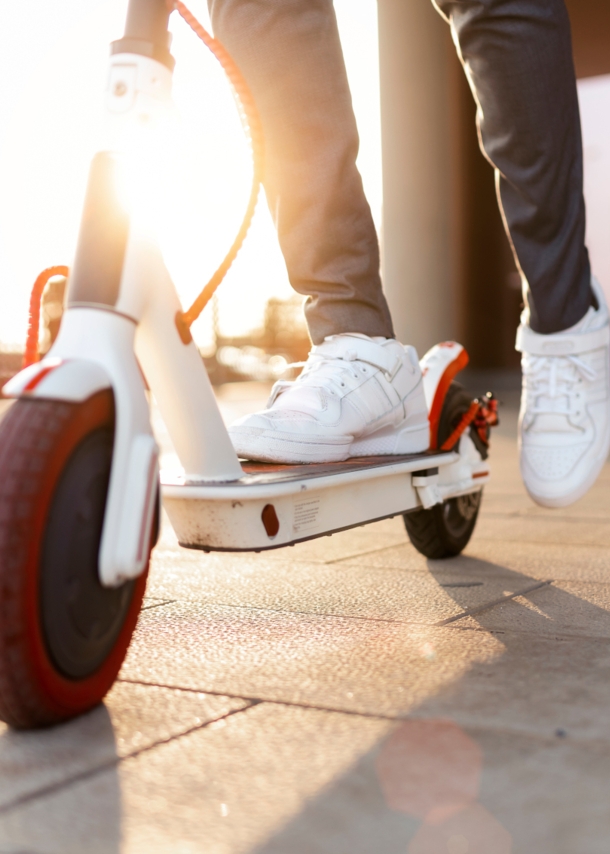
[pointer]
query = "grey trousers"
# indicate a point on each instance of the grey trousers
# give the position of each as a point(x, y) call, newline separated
point(518, 60)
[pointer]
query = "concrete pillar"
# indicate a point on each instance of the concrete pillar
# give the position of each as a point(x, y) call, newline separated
point(419, 248)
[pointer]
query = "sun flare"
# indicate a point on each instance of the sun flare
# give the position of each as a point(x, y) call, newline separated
point(52, 122)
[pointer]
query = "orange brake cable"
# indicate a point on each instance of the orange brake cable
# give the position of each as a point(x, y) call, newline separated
point(254, 133)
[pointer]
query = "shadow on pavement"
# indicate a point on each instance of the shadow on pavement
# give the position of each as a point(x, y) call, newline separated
point(512, 757)
point(35, 765)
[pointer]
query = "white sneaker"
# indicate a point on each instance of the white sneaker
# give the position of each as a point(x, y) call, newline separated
point(356, 396)
point(564, 423)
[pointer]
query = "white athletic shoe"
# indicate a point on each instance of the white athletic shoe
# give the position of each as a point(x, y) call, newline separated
point(564, 423)
point(356, 396)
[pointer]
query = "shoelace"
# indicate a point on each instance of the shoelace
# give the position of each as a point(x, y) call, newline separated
point(320, 372)
point(326, 373)
point(552, 378)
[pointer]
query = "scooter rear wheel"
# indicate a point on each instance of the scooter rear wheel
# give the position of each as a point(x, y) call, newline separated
point(63, 636)
point(445, 530)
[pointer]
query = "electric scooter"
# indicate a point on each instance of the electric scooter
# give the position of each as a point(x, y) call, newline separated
point(80, 489)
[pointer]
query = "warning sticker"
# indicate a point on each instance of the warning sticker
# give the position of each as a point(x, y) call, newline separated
point(306, 514)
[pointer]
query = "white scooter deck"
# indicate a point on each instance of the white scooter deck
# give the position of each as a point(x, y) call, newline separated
point(278, 505)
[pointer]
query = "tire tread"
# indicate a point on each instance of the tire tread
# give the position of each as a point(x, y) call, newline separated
point(423, 530)
point(37, 439)
point(26, 434)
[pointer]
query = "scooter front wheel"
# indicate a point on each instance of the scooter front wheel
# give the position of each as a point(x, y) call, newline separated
point(63, 636)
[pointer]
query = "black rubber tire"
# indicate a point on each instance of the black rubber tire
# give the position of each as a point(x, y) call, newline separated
point(63, 637)
point(445, 530)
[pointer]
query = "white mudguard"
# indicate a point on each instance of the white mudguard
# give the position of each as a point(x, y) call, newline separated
point(107, 339)
point(469, 472)
point(71, 380)
point(439, 367)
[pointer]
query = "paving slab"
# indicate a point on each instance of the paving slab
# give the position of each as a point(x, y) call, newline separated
point(133, 718)
point(550, 794)
point(507, 679)
point(277, 780)
point(564, 609)
point(556, 530)
point(487, 557)
point(345, 663)
point(229, 789)
point(539, 685)
point(337, 589)
point(592, 506)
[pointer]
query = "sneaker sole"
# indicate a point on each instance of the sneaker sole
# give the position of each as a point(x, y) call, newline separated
point(252, 445)
point(390, 441)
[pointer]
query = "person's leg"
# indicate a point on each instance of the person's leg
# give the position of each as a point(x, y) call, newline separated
point(360, 392)
point(290, 54)
point(518, 59)
point(517, 55)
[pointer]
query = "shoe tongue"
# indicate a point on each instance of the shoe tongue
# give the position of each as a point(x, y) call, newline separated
point(305, 399)
point(592, 320)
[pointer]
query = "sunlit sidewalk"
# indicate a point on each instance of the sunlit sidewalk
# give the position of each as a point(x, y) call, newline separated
point(346, 695)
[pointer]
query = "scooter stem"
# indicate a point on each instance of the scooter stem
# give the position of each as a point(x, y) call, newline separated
point(146, 31)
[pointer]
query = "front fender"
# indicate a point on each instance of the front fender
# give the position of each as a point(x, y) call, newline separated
point(72, 380)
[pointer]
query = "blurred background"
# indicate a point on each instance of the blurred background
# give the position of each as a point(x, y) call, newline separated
point(447, 268)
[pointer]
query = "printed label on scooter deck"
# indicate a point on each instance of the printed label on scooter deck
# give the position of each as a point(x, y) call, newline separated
point(306, 514)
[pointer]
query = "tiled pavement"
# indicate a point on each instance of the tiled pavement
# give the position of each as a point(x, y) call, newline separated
point(346, 695)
